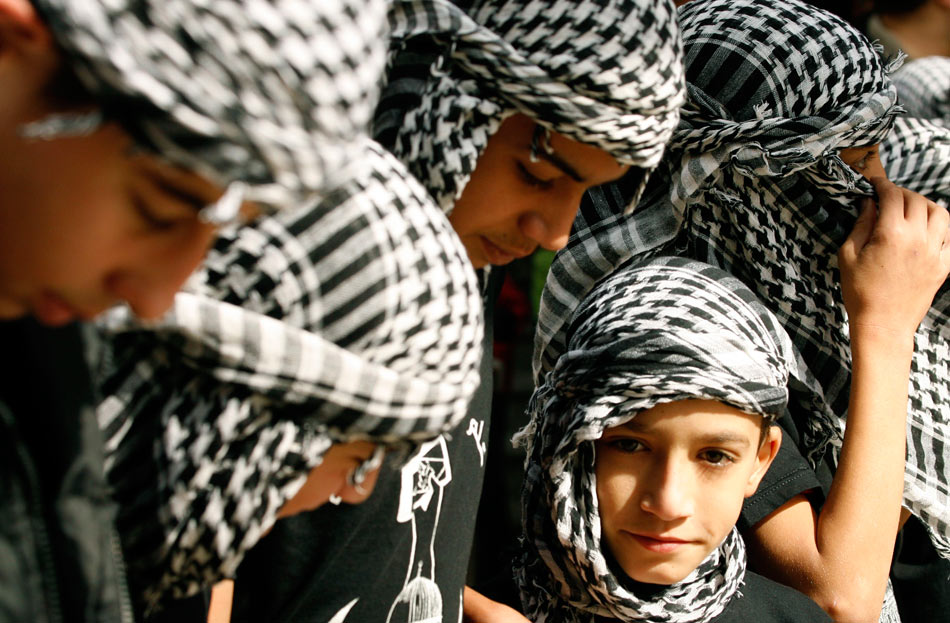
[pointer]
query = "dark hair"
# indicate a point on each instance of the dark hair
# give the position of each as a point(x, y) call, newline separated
point(897, 7)
point(764, 428)
point(65, 91)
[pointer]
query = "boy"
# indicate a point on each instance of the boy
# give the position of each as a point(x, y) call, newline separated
point(644, 440)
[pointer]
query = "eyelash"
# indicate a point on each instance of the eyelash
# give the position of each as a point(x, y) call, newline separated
point(154, 222)
point(715, 458)
point(623, 445)
point(532, 180)
point(721, 460)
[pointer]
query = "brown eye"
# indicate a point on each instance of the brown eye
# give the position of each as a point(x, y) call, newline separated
point(716, 457)
point(626, 444)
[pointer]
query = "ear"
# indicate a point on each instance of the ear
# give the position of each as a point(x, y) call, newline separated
point(766, 454)
point(21, 28)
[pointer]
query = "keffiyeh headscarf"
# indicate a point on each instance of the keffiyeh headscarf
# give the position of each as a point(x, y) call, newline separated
point(758, 189)
point(659, 331)
point(607, 74)
point(924, 87)
point(358, 318)
point(272, 94)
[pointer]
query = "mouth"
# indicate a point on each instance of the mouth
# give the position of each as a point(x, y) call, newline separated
point(499, 255)
point(52, 310)
point(658, 543)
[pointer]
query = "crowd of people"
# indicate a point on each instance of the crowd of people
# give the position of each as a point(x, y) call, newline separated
point(250, 255)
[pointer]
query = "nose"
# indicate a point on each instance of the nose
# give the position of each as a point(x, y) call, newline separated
point(550, 225)
point(668, 492)
point(149, 282)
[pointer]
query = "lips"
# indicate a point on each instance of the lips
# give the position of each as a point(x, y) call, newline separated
point(658, 543)
point(52, 310)
point(498, 255)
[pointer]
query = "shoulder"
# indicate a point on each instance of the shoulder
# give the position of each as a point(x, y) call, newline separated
point(763, 601)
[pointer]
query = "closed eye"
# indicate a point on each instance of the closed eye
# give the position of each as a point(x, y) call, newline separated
point(153, 220)
point(532, 180)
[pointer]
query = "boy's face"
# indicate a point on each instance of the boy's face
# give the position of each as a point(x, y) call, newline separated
point(512, 205)
point(670, 484)
point(84, 223)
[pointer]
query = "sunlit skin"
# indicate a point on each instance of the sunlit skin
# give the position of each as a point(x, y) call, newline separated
point(330, 478)
point(512, 205)
point(671, 482)
point(87, 222)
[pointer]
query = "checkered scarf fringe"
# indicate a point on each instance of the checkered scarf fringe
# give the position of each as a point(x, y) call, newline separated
point(273, 94)
point(356, 318)
point(924, 87)
point(605, 73)
point(659, 331)
point(778, 233)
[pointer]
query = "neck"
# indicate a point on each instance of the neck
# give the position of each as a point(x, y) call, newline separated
point(922, 32)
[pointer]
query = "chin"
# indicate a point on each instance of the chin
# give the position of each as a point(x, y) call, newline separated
point(660, 578)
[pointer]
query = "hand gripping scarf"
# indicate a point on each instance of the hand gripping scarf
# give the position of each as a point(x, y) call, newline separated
point(355, 318)
point(759, 190)
point(924, 87)
point(606, 73)
point(272, 94)
point(659, 331)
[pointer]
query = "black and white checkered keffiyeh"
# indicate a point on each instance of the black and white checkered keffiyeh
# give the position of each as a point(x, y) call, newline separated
point(924, 87)
point(272, 94)
point(916, 155)
point(758, 189)
point(355, 318)
point(658, 331)
point(606, 73)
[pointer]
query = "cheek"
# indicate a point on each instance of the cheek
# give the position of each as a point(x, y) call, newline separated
point(721, 504)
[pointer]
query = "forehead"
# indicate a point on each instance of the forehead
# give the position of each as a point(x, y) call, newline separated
point(584, 163)
point(695, 419)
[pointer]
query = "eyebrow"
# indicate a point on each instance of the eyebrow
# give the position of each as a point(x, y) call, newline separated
point(716, 438)
point(556, 160)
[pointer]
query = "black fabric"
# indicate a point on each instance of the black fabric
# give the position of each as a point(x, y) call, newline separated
point(761, 600)
point(921, 578)
point(57, 559)
point(312, 566)
point(789, 475)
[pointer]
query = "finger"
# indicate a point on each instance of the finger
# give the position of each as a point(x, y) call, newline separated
point(938, 222)
point(890, 202)
point(861, 232)
point(916, 208)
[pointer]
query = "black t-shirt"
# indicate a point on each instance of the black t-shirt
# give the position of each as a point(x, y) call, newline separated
point(788, 475)
point(400, 556)
point(761, 600)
